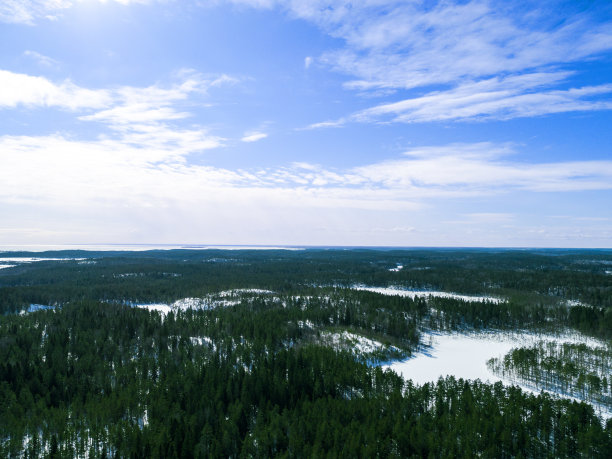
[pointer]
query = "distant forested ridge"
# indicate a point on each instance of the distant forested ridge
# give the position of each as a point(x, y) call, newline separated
point(571, 287)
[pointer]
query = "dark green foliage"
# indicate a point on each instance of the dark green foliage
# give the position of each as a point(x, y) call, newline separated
point(168, 275)
point(593, 320)
point(577, 370)
point(84, 377)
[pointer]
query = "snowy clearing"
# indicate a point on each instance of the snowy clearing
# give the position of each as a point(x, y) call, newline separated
point(215, 300)
point(357, 344)
point(424, 294)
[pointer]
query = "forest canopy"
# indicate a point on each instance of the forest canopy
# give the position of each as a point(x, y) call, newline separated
point(261, 353)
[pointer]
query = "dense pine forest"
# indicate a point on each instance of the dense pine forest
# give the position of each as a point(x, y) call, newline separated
point(577, 370)
point(253, 353)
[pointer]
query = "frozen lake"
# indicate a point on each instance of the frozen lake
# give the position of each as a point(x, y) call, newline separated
point(465, 356)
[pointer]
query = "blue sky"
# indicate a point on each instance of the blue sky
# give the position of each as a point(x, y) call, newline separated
point(407, 123)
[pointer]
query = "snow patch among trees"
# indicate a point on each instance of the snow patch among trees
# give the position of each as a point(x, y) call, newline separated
point(426, 293)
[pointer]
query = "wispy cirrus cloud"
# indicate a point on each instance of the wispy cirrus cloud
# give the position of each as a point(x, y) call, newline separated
point(485, 59)
point(484, 168)
point(516, 96)
point(41, 59)
point(412, 44)
point(27, 11)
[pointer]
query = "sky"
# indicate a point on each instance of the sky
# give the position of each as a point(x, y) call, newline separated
point(373, 122)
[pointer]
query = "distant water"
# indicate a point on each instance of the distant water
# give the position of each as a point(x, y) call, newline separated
point(144, 247)
point(137, 247)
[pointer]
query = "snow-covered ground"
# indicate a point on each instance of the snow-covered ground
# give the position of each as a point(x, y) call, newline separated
point(239, 291)
point(36, 307)
point(202, 303)
point(210, 301)
point(572, 303)
point(163, 309)
point(465, 356)
point(425, 293)
point(307, 324)
point(200, 340)
point(216, 300)
point(357, 344)
point(398, 268)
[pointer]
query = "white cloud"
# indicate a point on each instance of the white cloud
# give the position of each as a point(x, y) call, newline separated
point(139, 117)
point(253, 136)
point(21, 89)
point(307, 62)
point(133, 106)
